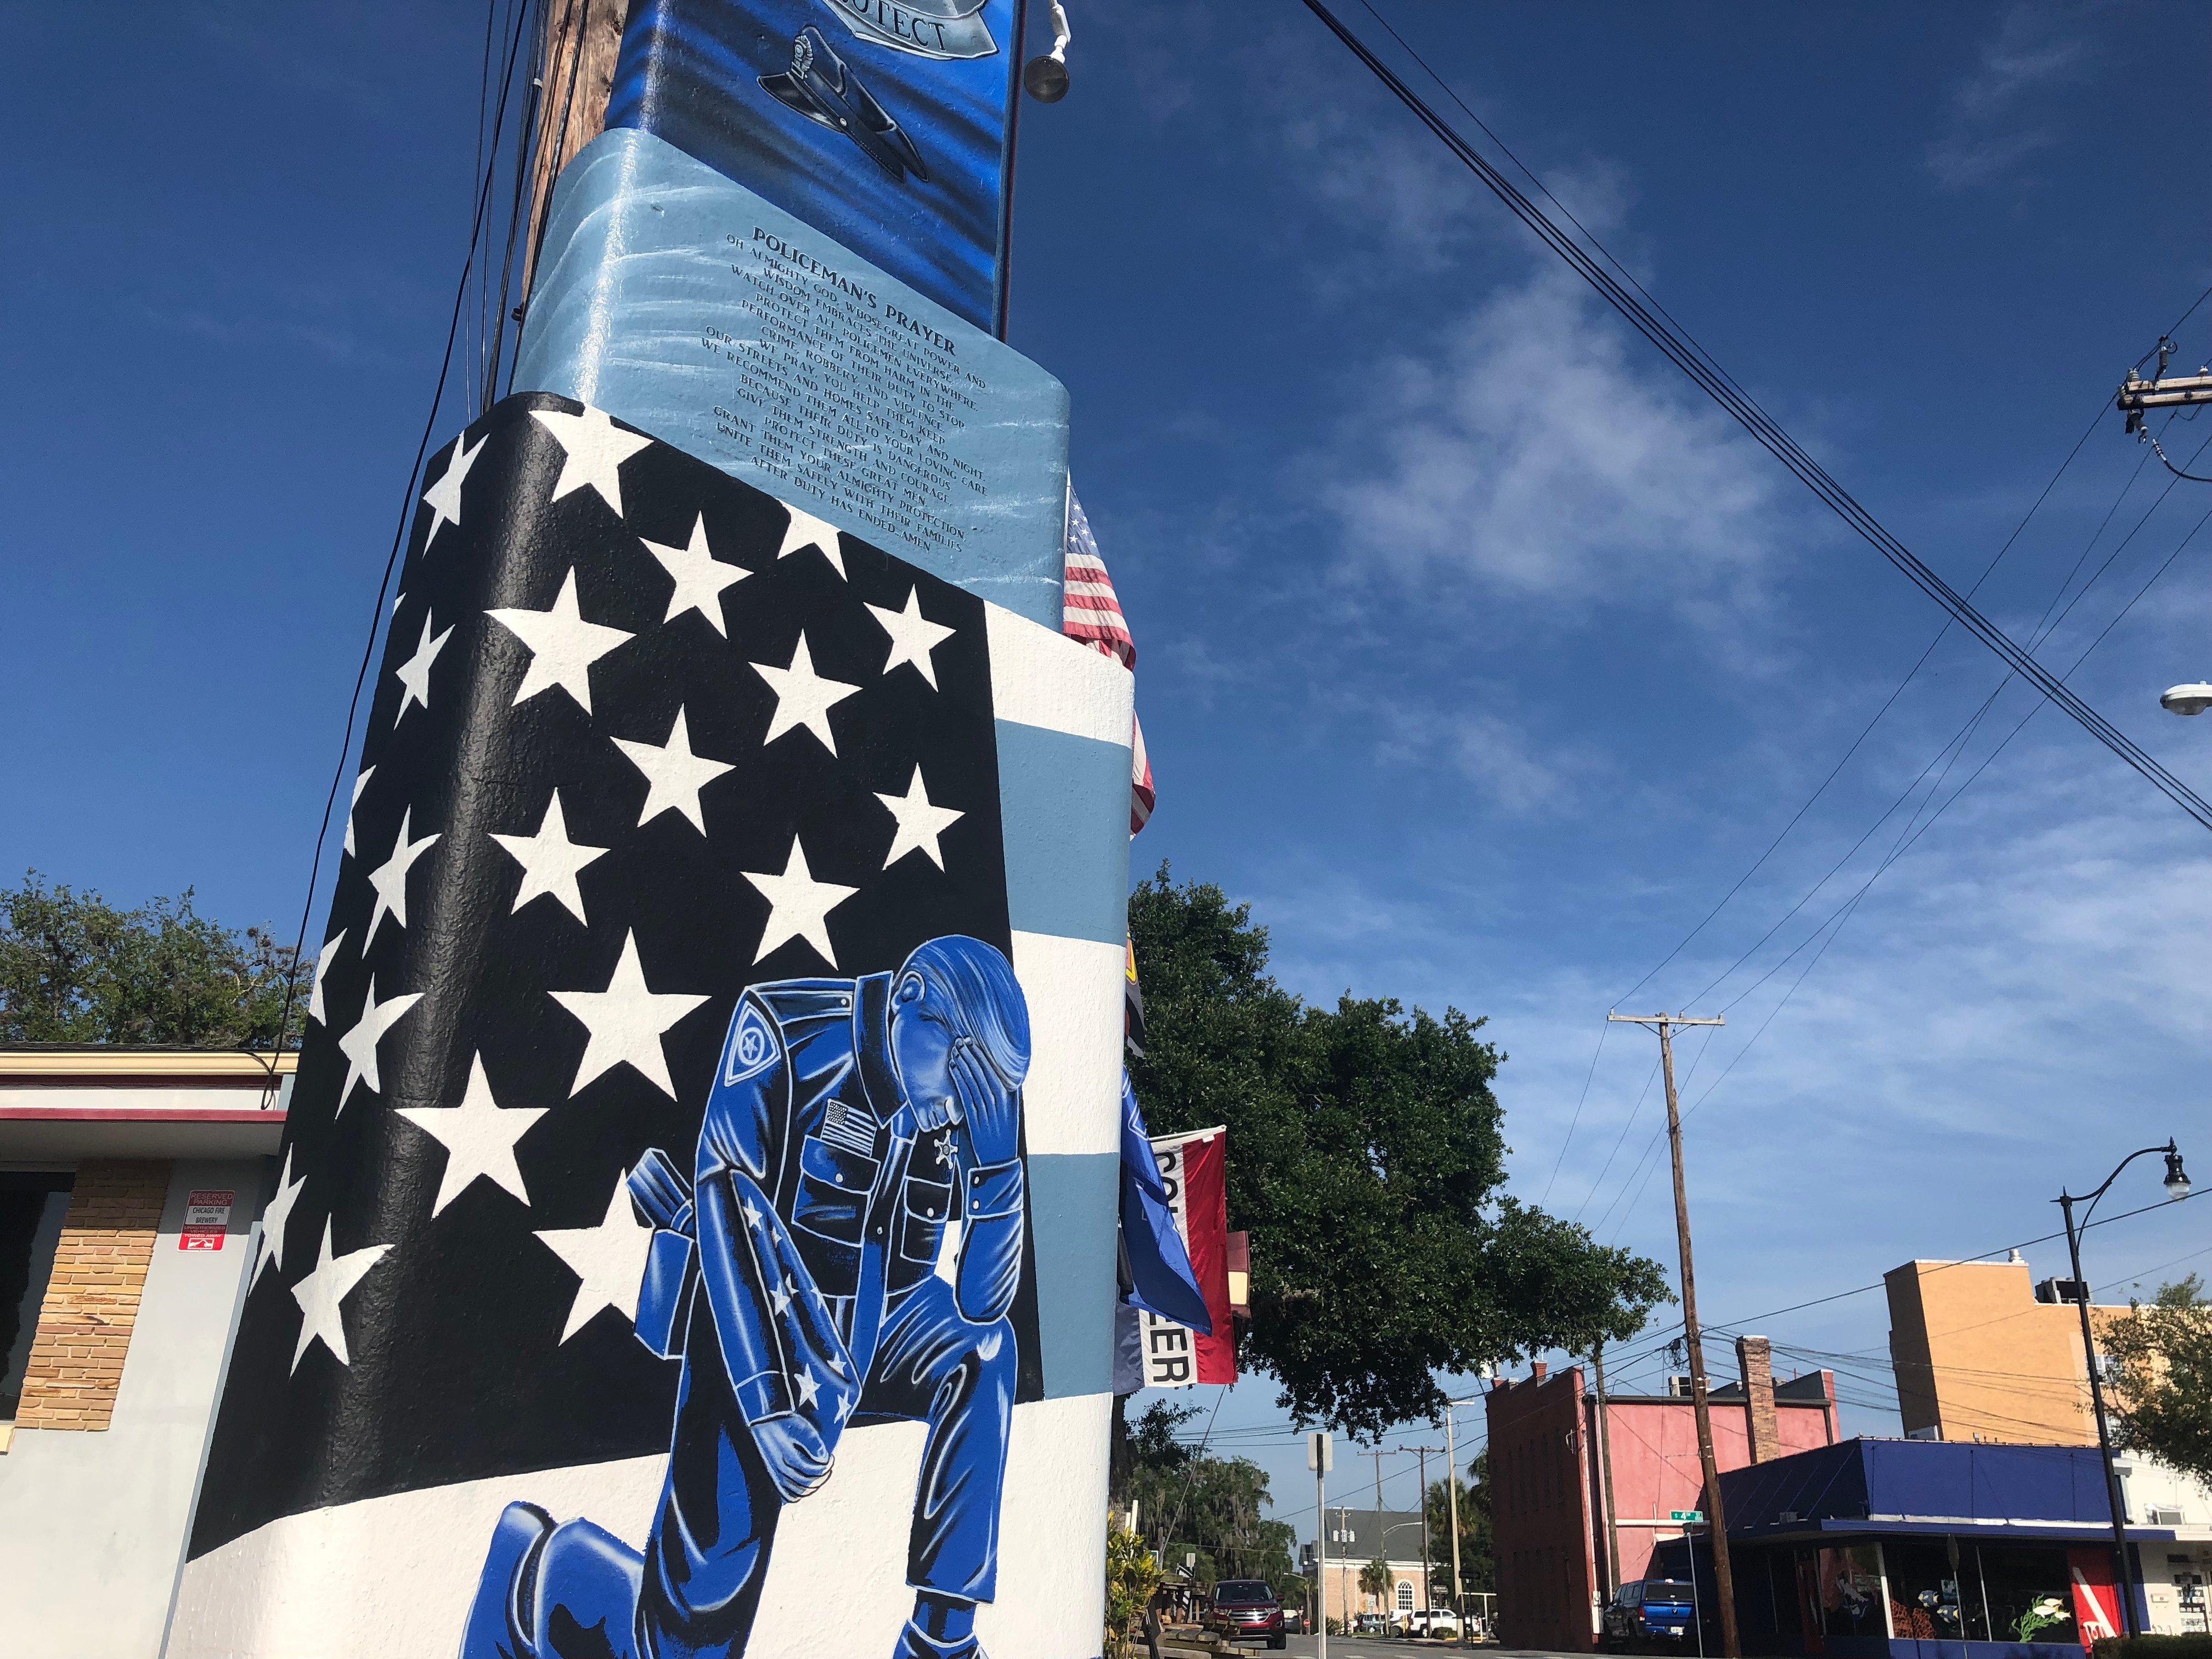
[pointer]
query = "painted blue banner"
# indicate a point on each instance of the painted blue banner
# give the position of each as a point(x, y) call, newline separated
point(696, 310)
point(889, 126)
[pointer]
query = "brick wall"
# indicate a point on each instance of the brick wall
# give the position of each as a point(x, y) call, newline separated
point(92, 1300)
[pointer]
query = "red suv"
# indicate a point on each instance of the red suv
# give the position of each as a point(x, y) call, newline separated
point(1246, 1610)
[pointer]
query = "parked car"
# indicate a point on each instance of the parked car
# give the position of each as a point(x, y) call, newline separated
point(1437, 1621)
point(1651, 1613)
point(1246, 1610)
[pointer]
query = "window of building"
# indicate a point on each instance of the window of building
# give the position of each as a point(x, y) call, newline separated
point(31, 1206)
point(2016, 1577)
point(1846, 1591)
point(1405, 1596)
point(1936, 1591)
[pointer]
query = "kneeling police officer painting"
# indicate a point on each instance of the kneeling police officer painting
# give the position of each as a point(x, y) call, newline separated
point(846, 1249)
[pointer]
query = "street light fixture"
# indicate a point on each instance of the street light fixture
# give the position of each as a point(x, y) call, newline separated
point(2176, 1187)
point(2192, 699)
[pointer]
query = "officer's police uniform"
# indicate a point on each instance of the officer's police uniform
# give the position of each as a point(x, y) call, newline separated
point(801, 1285)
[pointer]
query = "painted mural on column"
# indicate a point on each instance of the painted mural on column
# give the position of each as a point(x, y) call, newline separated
point(889, 126)
point(695, 1228)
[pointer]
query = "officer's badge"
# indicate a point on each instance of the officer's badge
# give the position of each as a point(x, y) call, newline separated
point(753, 1047)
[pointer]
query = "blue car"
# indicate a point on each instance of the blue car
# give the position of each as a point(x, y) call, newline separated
point(1651, 1614)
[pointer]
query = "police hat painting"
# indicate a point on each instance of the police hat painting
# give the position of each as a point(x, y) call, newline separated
point(886, 126)
point(845, 1250)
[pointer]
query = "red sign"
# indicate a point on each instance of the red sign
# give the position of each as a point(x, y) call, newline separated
point(207, 1218)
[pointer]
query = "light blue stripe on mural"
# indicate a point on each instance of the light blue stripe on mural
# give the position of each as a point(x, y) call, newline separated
point(1064, 809)
point(1072, 1210)
point(687, 306)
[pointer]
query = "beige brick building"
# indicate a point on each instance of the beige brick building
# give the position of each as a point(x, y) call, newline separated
point(131, 1185)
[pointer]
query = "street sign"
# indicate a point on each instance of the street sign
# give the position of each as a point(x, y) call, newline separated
point(1686, 1515)
point(1320, 1452)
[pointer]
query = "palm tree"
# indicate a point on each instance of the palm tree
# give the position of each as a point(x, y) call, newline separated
point(1375, 1580)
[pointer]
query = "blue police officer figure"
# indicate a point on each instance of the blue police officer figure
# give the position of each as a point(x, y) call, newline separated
point(846, 1250)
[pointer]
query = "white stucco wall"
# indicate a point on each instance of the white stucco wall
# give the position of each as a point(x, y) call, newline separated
point(92, 1525)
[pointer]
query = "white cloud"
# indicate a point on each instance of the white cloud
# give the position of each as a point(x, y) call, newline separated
point(1531, 453)
point(1993, 124)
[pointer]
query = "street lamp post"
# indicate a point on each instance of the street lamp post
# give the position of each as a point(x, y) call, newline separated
point(2176, 1186)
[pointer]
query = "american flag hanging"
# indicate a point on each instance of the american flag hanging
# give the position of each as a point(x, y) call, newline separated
point(1092, 613)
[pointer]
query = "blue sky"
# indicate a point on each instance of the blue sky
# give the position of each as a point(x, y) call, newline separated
point(1478, 653)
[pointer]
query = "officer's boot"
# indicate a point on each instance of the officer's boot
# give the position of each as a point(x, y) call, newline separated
point(943, 1628)
point(499, 1619)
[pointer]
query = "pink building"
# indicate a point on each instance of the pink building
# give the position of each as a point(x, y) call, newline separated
point(1549, 1519)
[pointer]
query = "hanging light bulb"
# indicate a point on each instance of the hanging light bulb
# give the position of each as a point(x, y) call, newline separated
point(2177, 1179)
point(1046, 74)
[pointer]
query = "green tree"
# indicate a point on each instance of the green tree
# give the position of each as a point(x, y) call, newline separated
point(1367, 1162)
point(1477, 1563)
point(1133, 1577)
point(1198, 1505)
point(2163, 1385)
point(1375, 1580)
point(75, 969)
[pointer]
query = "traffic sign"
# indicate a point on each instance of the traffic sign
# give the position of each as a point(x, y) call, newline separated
point(1687, 1514)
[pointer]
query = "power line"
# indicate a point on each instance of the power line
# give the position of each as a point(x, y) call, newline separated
point(399, 535)
point(1764, 429)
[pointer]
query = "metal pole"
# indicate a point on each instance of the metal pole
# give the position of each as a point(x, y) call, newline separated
point(1321, 1555)
point(2104, 1434)
point(1451, 1487)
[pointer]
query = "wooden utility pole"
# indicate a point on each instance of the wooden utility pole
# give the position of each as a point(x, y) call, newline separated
point(1716, 1518)
point(1605, 1477)
point(576, 74)
point(1427, 1599)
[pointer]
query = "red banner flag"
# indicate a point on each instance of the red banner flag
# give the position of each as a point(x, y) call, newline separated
point(1194, 1169)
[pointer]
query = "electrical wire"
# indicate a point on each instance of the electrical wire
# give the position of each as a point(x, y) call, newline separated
point(1769, 434)
point(2192, 477)
point(399, 543)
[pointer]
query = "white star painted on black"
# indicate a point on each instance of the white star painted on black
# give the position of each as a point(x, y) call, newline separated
point(752, 1213)
point(803, 697)
point(443, 498)
point(359, 783)
point(414, 674)
point(390, 878)
point(914, 636)
point(594, 450)
point(274, 1221)
point(673, 774)
point(798, 905)
point(562, 645)
point(805, 530)
point(323, 965)
point(478, 1136)
point(921, 821)
point(359, 1045)
point(809, 1389)
point(699, 577)
point(321, 1295)
point(549, 862)
point(778, 1300)
point(626, 1021)
point(608, 1260)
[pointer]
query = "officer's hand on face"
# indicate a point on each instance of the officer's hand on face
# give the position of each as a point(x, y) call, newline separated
point(794, 1452)
point(993, 1111)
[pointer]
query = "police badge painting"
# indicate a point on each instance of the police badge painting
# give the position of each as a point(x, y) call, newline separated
point(694, 1233)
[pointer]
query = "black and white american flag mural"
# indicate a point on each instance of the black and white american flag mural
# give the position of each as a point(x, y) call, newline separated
point(645, 738)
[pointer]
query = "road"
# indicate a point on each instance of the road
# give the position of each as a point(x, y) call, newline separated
point(1354, 1647)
